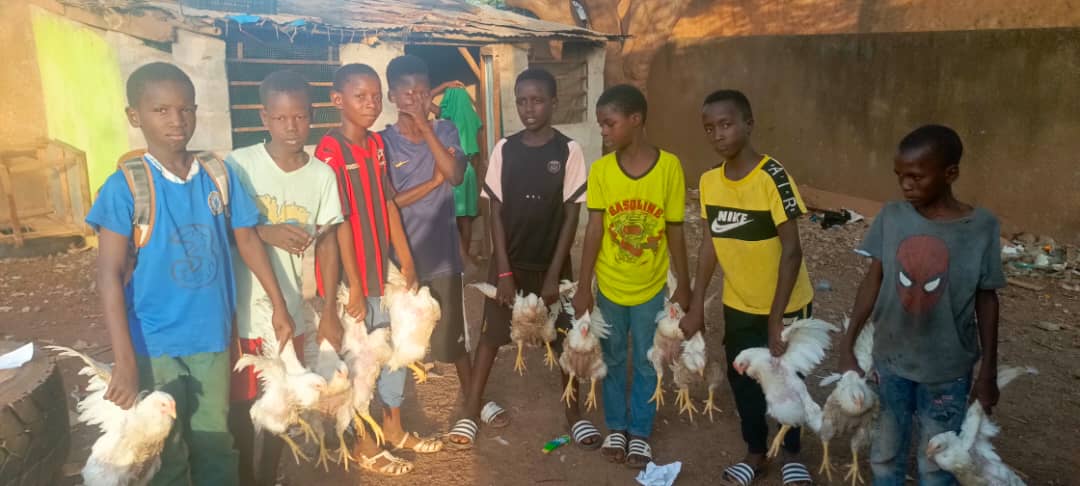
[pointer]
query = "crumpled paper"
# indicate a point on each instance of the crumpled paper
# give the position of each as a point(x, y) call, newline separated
point(18, 357)
point(655, 475)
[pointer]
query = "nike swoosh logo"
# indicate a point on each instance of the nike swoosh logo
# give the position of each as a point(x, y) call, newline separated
point(717, 227)
point(399, 164)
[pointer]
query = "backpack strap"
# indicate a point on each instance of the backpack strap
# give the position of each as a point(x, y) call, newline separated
point(140, 181)
point(215, 168)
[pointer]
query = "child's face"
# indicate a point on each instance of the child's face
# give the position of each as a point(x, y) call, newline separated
point(923, 176)
point(534, 104)
point(360, 100)
point(166, 115)
point(287, 115)
point(725, 128)
point(617, 128)
point(412, 93)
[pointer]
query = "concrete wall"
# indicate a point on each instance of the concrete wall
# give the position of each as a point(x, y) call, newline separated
point(22, 114)
point(833, 107)
point(377, 56)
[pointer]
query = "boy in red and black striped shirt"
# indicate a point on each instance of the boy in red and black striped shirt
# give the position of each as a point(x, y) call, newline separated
point(373, 227)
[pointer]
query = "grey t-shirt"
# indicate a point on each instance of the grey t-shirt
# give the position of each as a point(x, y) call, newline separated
point(430, 223)
point(925, 311)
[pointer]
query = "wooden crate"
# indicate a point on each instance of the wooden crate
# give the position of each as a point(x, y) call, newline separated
point(61, 190)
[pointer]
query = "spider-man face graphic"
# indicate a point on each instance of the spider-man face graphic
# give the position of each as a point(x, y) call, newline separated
point(924, 271)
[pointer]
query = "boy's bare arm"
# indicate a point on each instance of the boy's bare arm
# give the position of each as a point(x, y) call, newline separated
point(113, 253)
point(401, 245)
point(790, 262)
point(445, 163)
point(329, 258)
point(409, 196)
point(550, 290)
point(986, 314)
point(594, 231)
point(694, 320)
point(357, 304)
point(865, 298)
point(252, 251)
point(506, 288)
point(677, 248)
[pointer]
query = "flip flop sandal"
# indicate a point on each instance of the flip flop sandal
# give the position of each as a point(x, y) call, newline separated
point(794, 472)
point(614, 443)
point(465, 428)
point(740, 474)
point(422, 445)
point(639, 454)
point(394, 467)
point(490, 413)
point(582, 431)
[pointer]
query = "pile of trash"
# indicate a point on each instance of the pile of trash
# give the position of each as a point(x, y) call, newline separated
point(1028, 254)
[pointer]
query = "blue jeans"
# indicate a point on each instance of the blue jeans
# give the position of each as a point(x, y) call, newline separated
point(391, 384)
point(639, 323)
point(937, 408)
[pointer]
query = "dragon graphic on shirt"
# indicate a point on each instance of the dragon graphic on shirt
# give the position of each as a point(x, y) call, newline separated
point(636, 226)
point(276, 213)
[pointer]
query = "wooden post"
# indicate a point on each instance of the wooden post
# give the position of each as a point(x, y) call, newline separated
point(5, 185)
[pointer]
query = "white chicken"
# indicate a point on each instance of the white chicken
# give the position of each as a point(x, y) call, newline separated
point(128, 451)
point(667, 345)
point(581, 356)
point(413, 316)
point(531, 322)
point(334, 404)
point(287, 389)
point(970, 456)
point(365, 353)
point(785, 392)
point(851, 408)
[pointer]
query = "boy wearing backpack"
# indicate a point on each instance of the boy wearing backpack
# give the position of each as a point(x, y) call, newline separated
point(172, 211)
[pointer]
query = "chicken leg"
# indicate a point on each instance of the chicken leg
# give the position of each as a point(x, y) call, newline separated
point(826, 464)
point(568, 393)
point(343, 451)
point(362, 418)
point(774, 450)
point(590, 401)
point(710, 405)
point(685, 403)
point(324, 455)
point(853, 473)
point(309, 433)
point(549, 359)
point(658, 395)
point(296, 452)
point(519, 362)
point(418, 370)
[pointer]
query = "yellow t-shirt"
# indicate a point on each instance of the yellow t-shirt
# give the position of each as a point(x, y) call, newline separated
point(633, 261)
point(742, 217)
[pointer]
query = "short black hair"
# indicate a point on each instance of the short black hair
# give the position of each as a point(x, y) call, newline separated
point(625, 98)
point(541, 76)
point(348, 71)
point(942, 140)
point(283, 81)
point(734, 96)
point(407, 65)
point(153, 73)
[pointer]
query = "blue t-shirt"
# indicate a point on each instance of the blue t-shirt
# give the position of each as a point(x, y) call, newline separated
point(181, 296)
point(430, 223)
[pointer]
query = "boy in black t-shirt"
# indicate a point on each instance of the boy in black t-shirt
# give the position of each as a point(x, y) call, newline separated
point(536, 183)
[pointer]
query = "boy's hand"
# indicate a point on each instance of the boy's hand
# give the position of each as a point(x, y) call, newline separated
point(283, 326)
point(408, 272)
point(849, 363)
point(550, 291)
point(682, 297)
point(986, 392)
point(777, 346)
point(330, 329)
point(124, 385)
point(583, 301)
point(357, 306)
point(288, 237)
point(437, 178)
point(692, 323)
point(505, 291)
point(419, 110)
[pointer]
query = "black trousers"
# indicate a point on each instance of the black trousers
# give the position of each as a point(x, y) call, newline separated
point(742, 331)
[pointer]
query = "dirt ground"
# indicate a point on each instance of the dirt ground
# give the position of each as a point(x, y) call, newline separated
point(52, 300)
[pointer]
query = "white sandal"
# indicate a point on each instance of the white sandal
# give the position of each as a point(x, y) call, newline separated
point(422, 445)
point(395, 467)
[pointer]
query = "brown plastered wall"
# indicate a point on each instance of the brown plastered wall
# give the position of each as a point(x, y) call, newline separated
point(833, 107)
point(22, 107)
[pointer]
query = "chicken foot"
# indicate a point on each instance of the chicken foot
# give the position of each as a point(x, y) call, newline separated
point(568, 393)
point(361, 419)
point(296, 452)
point(826, 464)
point(324, 455)
point(418, 370)
point(309, 433)
point(343, 451)
point(710, 406)
point(685, 403)
point(549, 358)
point(774, 450)
point(658, 395)
point(519, 362)
point(853, 474)
point(590, 401)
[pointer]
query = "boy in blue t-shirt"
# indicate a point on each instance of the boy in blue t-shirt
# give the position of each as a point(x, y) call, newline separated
point(169, 323)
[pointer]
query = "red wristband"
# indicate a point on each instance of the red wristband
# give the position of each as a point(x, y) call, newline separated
point(506, 274)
